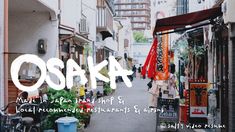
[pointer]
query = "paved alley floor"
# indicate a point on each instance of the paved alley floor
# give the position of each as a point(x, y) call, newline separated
point(132, 115)
point(129, 119)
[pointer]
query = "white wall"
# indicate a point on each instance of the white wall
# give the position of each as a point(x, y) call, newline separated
point(168, 7)
point(25, 29)
point(140, 52)
point(125, 33)
point(195, 6)
point(71, 13)
point(110, 43)
point(52, 4)
point(89, 10)
point(1, 53)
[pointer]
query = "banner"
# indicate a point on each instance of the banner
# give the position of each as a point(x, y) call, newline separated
point(162, 71)
point(150, 63)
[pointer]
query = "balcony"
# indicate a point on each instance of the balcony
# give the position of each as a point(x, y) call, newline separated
point(104, 21)
point(133, 3)
point(106, 3)
point(133, 9)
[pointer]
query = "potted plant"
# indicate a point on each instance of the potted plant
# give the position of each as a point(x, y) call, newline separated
point(81, 127)
point(107, 89)
point(47, 126)
point(85, 114)
point(62, 100)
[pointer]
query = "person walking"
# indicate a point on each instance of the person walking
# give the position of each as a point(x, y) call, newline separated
point(134, 71)
point(150, 84)
point(82, 92)
point(139, 70)
point(173, 91)
point(154, 92)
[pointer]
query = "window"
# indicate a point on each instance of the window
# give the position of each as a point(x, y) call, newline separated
point(65, 47)
point(133, 6)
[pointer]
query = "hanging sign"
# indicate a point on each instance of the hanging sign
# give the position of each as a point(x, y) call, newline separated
point(162, 72)
point(198, 99)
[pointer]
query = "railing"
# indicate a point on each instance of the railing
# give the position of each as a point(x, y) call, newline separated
point(104, 19)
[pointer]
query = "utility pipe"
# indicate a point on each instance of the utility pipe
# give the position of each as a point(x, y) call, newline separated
point(5, 51)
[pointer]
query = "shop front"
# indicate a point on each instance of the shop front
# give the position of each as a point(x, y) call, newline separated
point(198, 67)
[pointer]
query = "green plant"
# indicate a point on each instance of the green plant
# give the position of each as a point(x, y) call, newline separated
point(47, 124)
point(62, 100)
point(139, 37)
point(107, 88)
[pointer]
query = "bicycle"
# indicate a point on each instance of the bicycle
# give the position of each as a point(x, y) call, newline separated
point(9, 122)
point(20, 121)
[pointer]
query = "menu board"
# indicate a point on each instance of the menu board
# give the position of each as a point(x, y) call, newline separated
point(169, 108)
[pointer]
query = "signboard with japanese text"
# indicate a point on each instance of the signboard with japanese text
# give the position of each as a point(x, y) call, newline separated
point(162, 72)
point(198, 100)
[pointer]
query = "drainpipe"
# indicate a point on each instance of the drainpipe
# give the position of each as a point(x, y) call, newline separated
point(231, 92)
point(6, 51)
point(59, 21)
point(1, 54)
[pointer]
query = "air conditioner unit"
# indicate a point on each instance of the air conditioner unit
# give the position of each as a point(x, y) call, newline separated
point(228, 11)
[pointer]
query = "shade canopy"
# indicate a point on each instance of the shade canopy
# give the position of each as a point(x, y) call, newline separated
point(181, 21)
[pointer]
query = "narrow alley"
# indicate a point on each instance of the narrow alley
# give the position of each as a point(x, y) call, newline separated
point(121, 121)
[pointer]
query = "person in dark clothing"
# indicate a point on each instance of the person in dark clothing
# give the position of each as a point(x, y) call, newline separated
point(139, 70)
point(150, 84)
point(134, 71)
point(160, 92)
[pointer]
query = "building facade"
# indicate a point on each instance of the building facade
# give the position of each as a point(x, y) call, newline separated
point(138, 11)
point(139, 55)
point(73, 32)
point(104, 45)
point(125, 43)
point(182, 7)
point(32, 29)
point(89, 11)
point(48, 29)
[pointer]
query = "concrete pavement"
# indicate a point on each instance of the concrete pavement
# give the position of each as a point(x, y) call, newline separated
point(125, 111)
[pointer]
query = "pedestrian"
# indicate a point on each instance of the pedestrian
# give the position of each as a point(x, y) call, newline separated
point(150, 84)
point(173, 91)
point(82, 92)
point(134, 71)
point(139, 70)
point(160, 93)
point(153, 94)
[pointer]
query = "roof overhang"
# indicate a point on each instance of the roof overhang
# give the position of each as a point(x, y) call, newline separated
point(34, 6)
point(68, 32)
point(181, 21)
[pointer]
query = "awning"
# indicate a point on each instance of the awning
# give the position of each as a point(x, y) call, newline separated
point(181, 21)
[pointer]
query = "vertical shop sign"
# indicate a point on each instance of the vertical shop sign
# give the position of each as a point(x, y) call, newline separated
point(162, 72)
